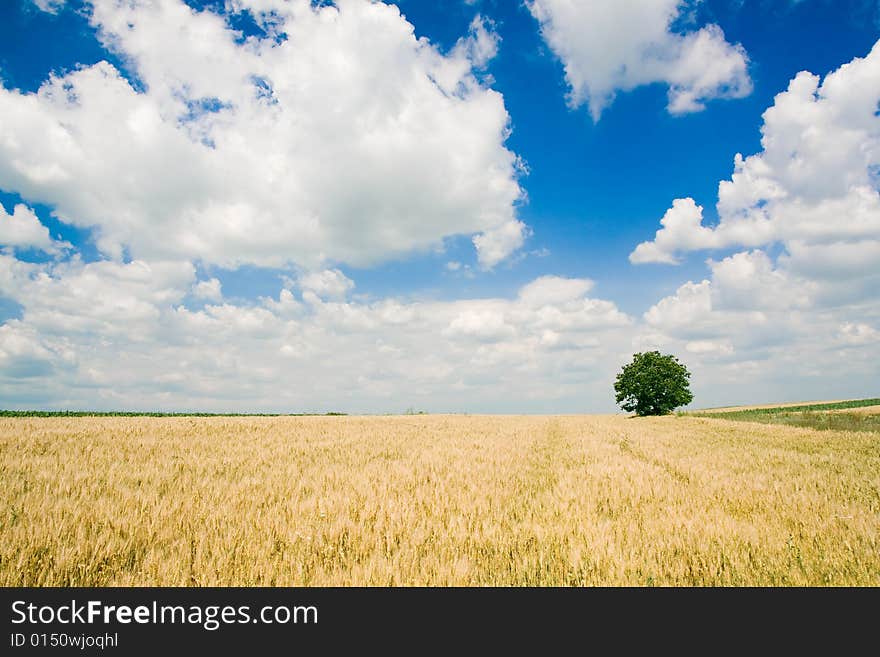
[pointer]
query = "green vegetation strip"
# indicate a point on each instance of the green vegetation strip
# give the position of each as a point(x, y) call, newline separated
point(148, 414)
point(807, 415)
point(827, 406)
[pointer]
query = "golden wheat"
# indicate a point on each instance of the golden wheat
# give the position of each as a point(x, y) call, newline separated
point(435, 500)
point(861, 410)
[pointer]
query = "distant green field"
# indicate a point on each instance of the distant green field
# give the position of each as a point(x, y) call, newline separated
point(148, 414)
point(814, 416)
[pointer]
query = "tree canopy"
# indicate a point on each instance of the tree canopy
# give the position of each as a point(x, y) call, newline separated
point(653, 384)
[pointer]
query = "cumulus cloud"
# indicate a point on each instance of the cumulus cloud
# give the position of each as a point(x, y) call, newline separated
point(681, 225)
point(23, 230)
point(50, 6)
point(495, 245)
point(482, 323)
point(798, 309)
point(723, 347)
point(340, 137)
point(141, 346)
point(750, 280)
point(124, 335)
point(22, 355)
point(210, 290)
point(745, 295)
point(98, 297)
point(554, 290)
point(859, 333)
point(813, 187)
point(776, 347)
point(608, 46)
point(481, 44)
point(330, 283)
point(802, 299)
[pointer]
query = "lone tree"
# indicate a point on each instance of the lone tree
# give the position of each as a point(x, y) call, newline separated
point(653, 384)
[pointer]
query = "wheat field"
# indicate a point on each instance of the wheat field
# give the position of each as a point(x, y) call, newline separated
point(435, 500)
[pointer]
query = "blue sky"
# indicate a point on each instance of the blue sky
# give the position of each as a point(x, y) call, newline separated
point(588, 191)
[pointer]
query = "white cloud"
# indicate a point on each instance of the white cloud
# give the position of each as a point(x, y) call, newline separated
point(748, 303)
point(137, 345)
point(481, 323)
point(859, 333)
point(838, 260)
point(349, 141)
point(748, 280)
point(23, 230)
point(210, 290)
point(813, 187)
point(805, 319)
point(22, 355)
point(481, 44)
point(99, 297)
point(723, 347)
point(681, 225)
point(682, 311)
point(330, 283)
point(50, 6)
point(114, 335)
point(608, 46)
point(554, 290)
point(353, 142)
point(775, 348)
point(495, 245)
